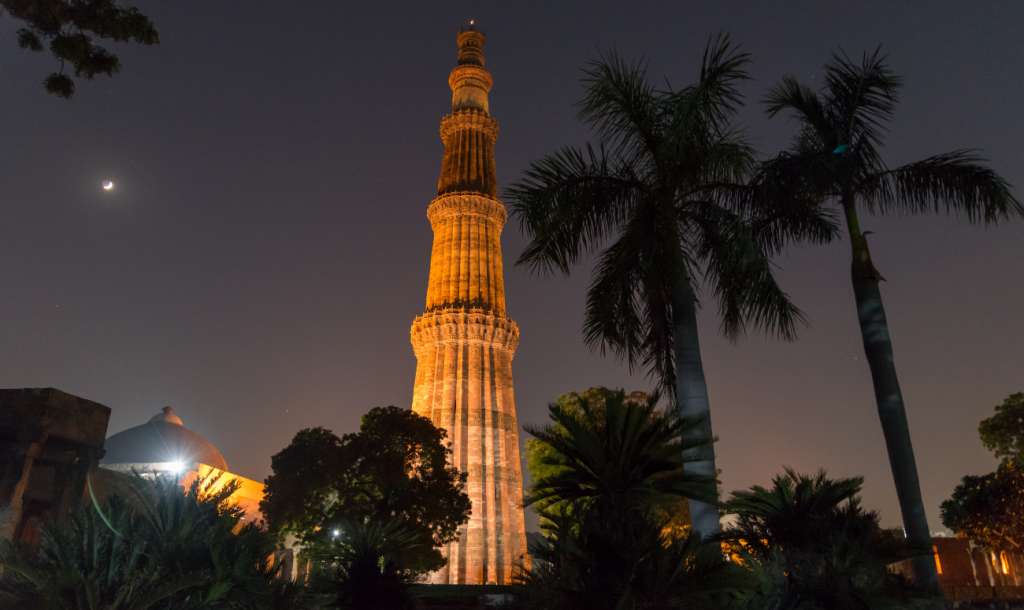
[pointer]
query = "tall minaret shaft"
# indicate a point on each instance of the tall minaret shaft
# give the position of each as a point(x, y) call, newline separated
point(463, 342)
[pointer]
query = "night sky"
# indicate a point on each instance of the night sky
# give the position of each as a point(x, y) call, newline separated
point(265, 249)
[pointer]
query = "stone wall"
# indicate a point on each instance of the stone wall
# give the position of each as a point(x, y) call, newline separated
point(50, 442)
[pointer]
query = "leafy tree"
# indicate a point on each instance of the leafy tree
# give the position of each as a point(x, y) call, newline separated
point(664, 185)
point(816, 547)
point(836, 158)
point(395, 467)
point(70, 27)
point(153, 546)
point(1003, 433)
point(989, 509)
point(540, 456)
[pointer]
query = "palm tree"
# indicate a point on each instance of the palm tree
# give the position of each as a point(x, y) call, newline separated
point(663, 183)
point(835, 158)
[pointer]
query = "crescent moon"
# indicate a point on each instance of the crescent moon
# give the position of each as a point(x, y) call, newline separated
point(108, 185)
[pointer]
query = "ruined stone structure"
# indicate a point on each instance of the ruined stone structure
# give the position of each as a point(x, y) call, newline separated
point(50, 444)
point(463, 342)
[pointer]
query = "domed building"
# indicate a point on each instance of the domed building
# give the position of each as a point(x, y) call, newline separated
point(164, 445)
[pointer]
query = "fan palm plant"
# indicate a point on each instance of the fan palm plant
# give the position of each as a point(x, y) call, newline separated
point(625, 457)
point(818, 548)
point(89, 561)
point(835, 158)
point(614, 463)
point(664, 185)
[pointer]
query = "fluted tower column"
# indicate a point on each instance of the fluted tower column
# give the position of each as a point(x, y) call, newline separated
point(463, 342)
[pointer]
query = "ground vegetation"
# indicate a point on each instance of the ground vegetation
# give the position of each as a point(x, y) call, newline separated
point(150, 546)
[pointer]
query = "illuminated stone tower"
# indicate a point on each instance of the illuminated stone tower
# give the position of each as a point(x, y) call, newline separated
point(464, 343)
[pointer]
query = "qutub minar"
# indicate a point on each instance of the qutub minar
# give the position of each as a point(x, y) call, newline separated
point(464, 343)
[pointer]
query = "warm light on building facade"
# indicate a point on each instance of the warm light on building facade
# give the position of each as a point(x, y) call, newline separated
point(464, 343)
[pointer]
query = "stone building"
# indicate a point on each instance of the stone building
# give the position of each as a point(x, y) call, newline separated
point(50, 442)
point(464, 343)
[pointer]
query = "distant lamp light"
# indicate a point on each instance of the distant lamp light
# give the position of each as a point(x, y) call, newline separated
point(178, 466)
point(336, 532)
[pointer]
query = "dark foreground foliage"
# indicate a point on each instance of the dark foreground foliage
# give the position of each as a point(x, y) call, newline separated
point(812, 546)
point(364, 566)
point(606, 560)
point(151, 546)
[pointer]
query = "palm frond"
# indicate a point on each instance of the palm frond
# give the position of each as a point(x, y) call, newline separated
point(782, 203)
point(629, 303)
point(863, 96)
point(621, 106)
point(956, 182)
point(741, 276)
point(705, 108)
point(628, 454)
point(790, 95)
point(569, 203)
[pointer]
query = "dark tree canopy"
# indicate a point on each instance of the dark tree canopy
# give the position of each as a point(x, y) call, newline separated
point(989, 509)
point(394, 469)
point(70, 26)
point(1003, 433)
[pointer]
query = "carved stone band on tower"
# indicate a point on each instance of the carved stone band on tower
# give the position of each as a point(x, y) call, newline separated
point(464, 343)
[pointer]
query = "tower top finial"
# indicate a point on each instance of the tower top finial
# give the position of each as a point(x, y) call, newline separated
point(471, 47)
point(470, 82)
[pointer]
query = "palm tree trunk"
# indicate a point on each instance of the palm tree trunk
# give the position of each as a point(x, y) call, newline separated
point(874, 331)
point(692, 394)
